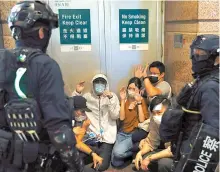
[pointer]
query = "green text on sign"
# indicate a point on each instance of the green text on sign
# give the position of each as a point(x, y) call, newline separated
point(133, 25)
point(75, 26)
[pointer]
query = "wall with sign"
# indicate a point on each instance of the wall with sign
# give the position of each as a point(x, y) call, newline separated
point(77, 44)
point(133, 29)
point(109, 37)
point(134, 37)
point(75, 30)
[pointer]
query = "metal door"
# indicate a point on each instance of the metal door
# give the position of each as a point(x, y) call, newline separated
point(106, 56)
point(80, 65)
point(120, 64)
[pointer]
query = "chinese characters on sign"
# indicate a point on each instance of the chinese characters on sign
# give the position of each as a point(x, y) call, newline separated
point(75, 30)
point(62, 3)
point(210, 148)
point(211, 144)
point(133, 29)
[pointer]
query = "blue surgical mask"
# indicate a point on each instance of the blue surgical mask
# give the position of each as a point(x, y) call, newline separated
point(99, 88)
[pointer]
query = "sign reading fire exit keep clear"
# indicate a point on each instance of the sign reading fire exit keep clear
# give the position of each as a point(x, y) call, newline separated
point(133, 29)
point(75, 30)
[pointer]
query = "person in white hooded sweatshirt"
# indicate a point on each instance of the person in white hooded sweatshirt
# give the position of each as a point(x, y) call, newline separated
point(105, 108)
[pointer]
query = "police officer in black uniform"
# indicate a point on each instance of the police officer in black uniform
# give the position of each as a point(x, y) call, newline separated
point(31, 23)
point(203, 103)
point(199, 102)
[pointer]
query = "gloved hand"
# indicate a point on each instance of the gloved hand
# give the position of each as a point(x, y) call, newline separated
point(63, 140)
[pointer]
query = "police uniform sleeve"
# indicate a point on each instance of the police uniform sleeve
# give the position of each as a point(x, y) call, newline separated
point(56, 115)
point(52, 98)
point(209, 104)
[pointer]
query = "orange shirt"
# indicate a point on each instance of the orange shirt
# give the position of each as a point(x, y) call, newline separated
point(132, 118)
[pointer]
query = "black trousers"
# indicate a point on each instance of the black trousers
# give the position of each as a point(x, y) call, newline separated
point(137, 136)
point(160, 165)
point(104, 150)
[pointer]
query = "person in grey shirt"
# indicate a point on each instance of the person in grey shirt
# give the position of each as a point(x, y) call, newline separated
point(153, 79)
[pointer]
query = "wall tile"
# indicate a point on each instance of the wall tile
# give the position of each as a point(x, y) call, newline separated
point(6, 30)
point(4, 14)
point(177, 61)
point(181, 27)
point(6, 4)
point(208, 27)
point(181, 10)
point(208, 9)
point(9, 42)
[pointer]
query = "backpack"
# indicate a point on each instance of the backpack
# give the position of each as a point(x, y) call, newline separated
point(171, 123)
point(10, 62)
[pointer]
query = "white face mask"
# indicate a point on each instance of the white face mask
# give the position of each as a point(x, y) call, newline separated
point(157, 118)
point(80, 118)
point(131, 94)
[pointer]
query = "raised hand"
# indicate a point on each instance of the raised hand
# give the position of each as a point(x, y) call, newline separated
point(107, 93)
point(138, 72)
point(80, 87)
point(123, 94)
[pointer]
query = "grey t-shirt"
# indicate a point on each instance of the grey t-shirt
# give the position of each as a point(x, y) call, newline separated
point(165, 88)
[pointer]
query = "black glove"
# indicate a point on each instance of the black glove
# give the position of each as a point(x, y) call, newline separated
point(73, 160)
point(64, 141)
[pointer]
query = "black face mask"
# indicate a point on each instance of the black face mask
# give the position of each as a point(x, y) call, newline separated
point(200, 67)
point(153, 79)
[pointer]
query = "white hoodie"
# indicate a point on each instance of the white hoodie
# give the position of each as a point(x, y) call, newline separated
point(104, 117)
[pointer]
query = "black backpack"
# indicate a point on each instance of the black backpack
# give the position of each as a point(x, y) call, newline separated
point(10, 61)
point(171, 123)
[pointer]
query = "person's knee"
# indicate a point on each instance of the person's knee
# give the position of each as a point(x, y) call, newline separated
point(118, 152)
point(104, 166)
point(164, 165)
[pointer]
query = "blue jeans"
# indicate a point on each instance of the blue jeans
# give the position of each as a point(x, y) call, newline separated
point(122, 149)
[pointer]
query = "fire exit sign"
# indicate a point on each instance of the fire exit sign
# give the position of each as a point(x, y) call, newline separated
point(75, 29)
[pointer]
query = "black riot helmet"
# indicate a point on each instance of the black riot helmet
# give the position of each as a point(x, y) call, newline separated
point(203, 52)
point(24, 16)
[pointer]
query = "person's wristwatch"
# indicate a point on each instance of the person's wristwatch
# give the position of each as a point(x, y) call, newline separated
point(91, 153)
point(145, 77)
point(149, 157)
point(110, 96)
point(139, 103)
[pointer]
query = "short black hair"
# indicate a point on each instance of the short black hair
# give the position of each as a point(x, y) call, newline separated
point(157, 100)
point(100, 79)
point(158, 65)
point(136, 81)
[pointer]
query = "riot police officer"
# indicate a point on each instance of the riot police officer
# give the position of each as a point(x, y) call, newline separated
point(31, 23)
point(202, 108)
point(198, 119)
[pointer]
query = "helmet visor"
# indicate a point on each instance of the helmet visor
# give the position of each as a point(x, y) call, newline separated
point(199, 54)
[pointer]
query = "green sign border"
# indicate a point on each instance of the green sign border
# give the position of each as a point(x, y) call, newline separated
point(133, 12)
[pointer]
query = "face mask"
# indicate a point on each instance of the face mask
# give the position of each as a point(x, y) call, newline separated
point(153, 79)
point(131, 94)
point(80, 118)
point(157, 118)
point(199, 67)
point(99, 88)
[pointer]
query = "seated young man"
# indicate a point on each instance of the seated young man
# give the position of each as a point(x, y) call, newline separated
point(149, 146)
point(133, 111)
point(154, 85)
point(105, 112)
point(80, 128)
point(154, 82)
